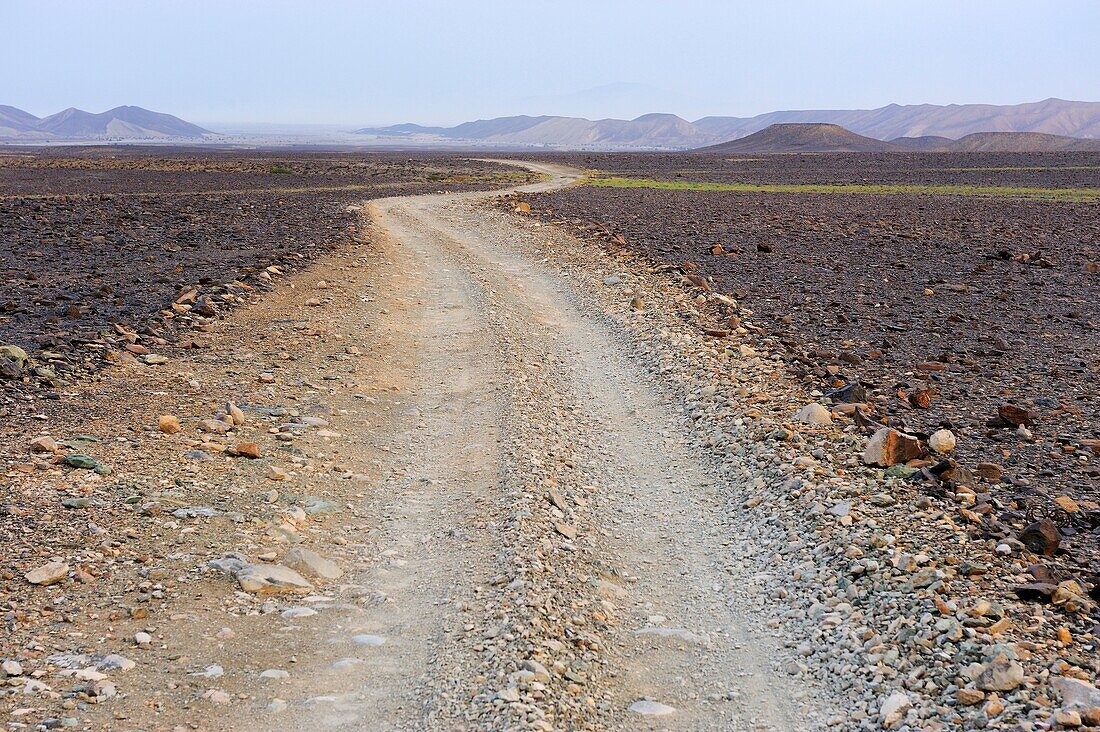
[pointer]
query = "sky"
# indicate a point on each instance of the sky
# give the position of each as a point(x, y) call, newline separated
point(352, 64)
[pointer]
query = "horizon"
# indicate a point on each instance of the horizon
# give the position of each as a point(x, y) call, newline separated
point(338, 127)
point(347, 66)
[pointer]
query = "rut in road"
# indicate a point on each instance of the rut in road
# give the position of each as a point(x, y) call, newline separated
point(550, 550)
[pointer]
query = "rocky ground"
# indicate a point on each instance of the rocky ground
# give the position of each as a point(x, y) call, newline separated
point(105, 245)
point(469, 472)
point(975, 315)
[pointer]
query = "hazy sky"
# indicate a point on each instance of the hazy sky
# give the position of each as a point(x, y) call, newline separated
point(358, 63)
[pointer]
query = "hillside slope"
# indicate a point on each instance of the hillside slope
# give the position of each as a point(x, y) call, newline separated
point(801, 137)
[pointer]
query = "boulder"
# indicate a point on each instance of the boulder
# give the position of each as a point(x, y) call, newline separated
point(815, 414)
point(893, 709)
point(271, 579)
point(48, 574)
point(942, 441)
point(1041, 537)
point(889, 447)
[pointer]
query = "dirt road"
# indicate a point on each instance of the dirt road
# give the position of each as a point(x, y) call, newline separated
point(546, 550)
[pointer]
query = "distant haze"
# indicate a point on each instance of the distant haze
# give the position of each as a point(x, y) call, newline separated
point(359, 64)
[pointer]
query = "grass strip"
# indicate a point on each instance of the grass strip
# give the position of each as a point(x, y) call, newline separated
point(888, 189)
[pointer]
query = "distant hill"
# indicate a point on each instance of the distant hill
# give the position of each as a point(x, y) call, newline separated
point(650, 131)
point(1051, 116)
point(922, 143)
point(76, 124)
point(1022, 142)
point(801, 137)
point(905, 123)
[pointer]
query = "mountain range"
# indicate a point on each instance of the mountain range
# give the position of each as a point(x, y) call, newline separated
point(669, 132)
point(795, 137)
point(76, 124)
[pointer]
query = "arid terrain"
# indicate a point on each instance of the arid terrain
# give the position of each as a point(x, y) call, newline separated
point(656, 442)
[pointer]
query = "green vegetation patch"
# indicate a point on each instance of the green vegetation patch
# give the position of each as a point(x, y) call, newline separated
point(1046, 194)
point(280, 170)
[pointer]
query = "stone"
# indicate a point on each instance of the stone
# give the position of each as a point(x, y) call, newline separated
point(214, 426)
point(11, 668)
point(15, 354)
point(1015, 416)
point(43, 444)
point(893, 709)
point(1067, 504)
point(888, 447)
point(814, 413)
point(235, 413)
point(142, 638)
point(612, 280)
point(276, 706)
point(248, 450)
point(274, 472)
point(366, 639)
point(969, 697)
point(538, 671)
point(566, 530)
point(1041, 537)
point(650, 708)
point(942, 441)
point(152, 359)
point(48, 574)
point(311, 564)
point(1076, 693)
point(169, 424)
point(274, 673)
point(1067, 717)
point(1001, 674)
point(991, 472)
point(271, 579)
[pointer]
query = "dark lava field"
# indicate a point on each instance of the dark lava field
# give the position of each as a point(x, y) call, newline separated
point(94, 237)
point(944, 308)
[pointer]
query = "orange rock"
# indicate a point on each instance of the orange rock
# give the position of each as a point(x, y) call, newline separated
point(169, 424)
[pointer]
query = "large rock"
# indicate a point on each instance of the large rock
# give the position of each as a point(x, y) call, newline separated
point(1076, 693)
point(48, 574)
point(889, 447)
point(1015, 416)
point(815, 414)
point(894, 708)
point(942, 441)
point(272, 579)
point(1041, 537)
point(1001, 674)
point(312, 564)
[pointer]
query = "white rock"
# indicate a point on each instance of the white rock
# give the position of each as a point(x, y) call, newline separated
point(312, 564)
point(271, 579)
point(11, 668)
point(1076, 693)
point(368, 640)
point(48, 574)
point(142, 638)
point(275, 706)
point(651, 708)
point(275, 673)
point(814, 413)
point(942, 441)
point(894, 708)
